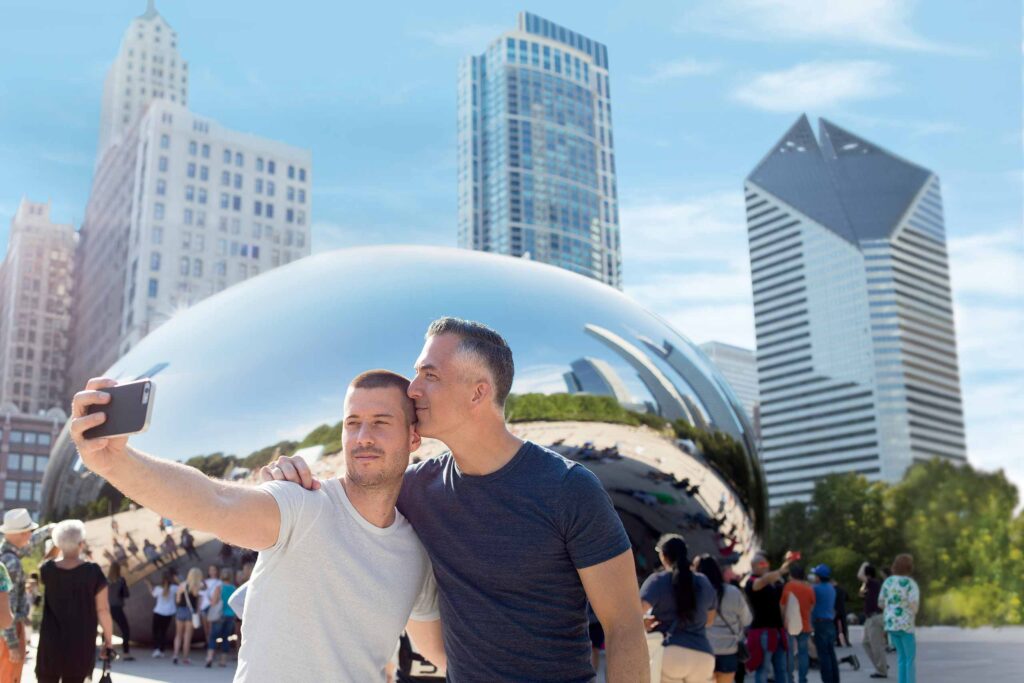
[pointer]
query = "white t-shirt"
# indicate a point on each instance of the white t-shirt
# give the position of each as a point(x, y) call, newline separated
point(330, 599)
point(209, 585)
point(165, 606)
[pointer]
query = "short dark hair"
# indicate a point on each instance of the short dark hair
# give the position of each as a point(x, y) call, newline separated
point(486, 344)
point(797, 572)
point(869, 571)
point(386, 379)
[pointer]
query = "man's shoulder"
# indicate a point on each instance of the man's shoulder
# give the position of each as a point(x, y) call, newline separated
point(544, 464)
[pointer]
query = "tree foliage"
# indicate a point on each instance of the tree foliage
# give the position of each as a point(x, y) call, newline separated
point(957, 522)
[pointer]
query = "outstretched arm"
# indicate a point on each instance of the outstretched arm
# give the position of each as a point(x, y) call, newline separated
point(240, 515)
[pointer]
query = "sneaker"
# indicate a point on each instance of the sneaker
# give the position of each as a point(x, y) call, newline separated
point(209, 664)
point(157, 654)
point(175, 661)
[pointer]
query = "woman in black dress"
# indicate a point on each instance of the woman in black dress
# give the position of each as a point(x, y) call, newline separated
point(75, 600)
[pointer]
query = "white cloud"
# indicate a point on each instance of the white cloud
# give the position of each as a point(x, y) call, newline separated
point(884, 23)
point(470, 38)
point(687, 262)
point(988, 264)
point(816, 85)
point(680, 68)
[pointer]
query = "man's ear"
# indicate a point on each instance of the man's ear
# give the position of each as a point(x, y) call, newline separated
point(415, 440)
point(481, 392)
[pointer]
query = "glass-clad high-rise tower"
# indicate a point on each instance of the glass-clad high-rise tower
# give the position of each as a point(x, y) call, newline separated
point(536, 159)
point(856, 349)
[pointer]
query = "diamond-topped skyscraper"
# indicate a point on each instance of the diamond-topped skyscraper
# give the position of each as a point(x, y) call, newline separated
point(856, 350)
point(536, 156)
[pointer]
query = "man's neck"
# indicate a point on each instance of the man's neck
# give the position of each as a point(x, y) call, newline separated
point(375, 505)
point(483, 449)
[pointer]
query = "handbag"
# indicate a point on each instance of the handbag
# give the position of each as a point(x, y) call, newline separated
point(196, 621)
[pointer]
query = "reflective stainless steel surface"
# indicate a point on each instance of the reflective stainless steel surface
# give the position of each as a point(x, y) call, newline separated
point(269, 359)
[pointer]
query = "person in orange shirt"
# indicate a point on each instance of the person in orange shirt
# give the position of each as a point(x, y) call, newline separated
point(799, 634)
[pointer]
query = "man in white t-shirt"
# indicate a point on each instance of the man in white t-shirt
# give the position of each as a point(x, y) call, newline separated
point(340, 573)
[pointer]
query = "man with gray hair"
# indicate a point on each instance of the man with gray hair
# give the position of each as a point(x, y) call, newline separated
point(520, 538)
point(21, 536)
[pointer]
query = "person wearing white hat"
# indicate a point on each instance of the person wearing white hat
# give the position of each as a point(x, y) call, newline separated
point(21, 536)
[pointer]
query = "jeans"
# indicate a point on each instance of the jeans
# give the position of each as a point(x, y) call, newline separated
point(906, 651)
point(222, 629)
point(825, 642)
point(774, 660)
point(799, 656)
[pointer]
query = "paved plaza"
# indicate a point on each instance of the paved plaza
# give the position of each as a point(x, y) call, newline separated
point(945, 655)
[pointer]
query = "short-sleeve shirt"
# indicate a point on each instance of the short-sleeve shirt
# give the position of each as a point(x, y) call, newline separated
point(689, 632)
point(824, 601)
point(506, 549)
point(900, 598)
point(329, 600)
point(67, 635)
point(872, 588)
point(765, 604)
point(5, 580)
point(165, 600)
point(804, 594)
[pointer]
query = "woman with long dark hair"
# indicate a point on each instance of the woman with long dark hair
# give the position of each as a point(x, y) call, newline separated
point(732, 616)
point(683, 605)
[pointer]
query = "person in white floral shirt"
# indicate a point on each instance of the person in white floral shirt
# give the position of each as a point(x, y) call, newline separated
point(899, 600)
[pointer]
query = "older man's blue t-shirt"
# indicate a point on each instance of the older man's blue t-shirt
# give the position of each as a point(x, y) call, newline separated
point(506, 548)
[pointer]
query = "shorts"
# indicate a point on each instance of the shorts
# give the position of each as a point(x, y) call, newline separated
point(597, 636)
point(183, 614)
point(727, 664)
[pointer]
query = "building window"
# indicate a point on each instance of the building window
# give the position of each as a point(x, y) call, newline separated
point(191, 170)
point(289, 215)
point(162, 164)
point(270, 188)
point(300, 239)
point(300, 217)
point(259, 163)
point(154, 261)
point(291, 172)
point(227, 156)
point(302, 196)
point(302, 174)
point(197, 267)
point(225, 178)
point(11, 490)
point(161, 187)
point(270, 210)
point(206, 151)
point(202, 195)
point(236, 203)
point(152, 287)
point(158, 234)
point(225, 200)
point(186, 263)
point(259, 186)
point(190, 193)
point(165, 141)
point(255, 251)
point(204, 172)
point(290, 193)
point(257, 208)
point(192, 147)
point(238, 159)
point(158, 211)
point(238, 181)
point(270, 167)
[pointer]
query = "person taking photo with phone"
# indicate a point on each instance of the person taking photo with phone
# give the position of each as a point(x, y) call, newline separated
point(372, 575)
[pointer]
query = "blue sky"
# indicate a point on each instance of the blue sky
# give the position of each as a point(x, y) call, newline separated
point(700, 91)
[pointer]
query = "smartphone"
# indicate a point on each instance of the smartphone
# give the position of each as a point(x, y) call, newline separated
point(128, 410)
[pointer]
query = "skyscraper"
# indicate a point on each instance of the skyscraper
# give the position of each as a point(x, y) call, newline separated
point(856, 351)
point(536, 159)
point(180, 208)
point(148, 67)
point(35, 309)
point(739, 367)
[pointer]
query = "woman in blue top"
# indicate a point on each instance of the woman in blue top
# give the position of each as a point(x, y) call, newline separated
point(224, 626)
point(683, 604)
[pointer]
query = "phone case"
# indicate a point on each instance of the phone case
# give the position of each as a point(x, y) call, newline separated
point(127, 412)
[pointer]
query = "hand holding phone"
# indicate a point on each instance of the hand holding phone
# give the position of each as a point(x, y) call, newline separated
point(103, 414)
point(128, 410)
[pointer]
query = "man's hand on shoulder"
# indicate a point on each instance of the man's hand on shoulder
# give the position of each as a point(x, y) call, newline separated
point(290, 468)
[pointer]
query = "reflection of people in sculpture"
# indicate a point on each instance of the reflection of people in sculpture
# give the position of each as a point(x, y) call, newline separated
point(520, 537)
point(340, 570)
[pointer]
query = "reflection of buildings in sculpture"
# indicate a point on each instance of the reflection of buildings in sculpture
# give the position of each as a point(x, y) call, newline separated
point(595, 376)
point(856, 347)
point(670, 402)
point(739, 368)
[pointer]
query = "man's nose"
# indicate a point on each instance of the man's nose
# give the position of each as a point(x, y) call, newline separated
point(414, 389)
point(365, 435)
